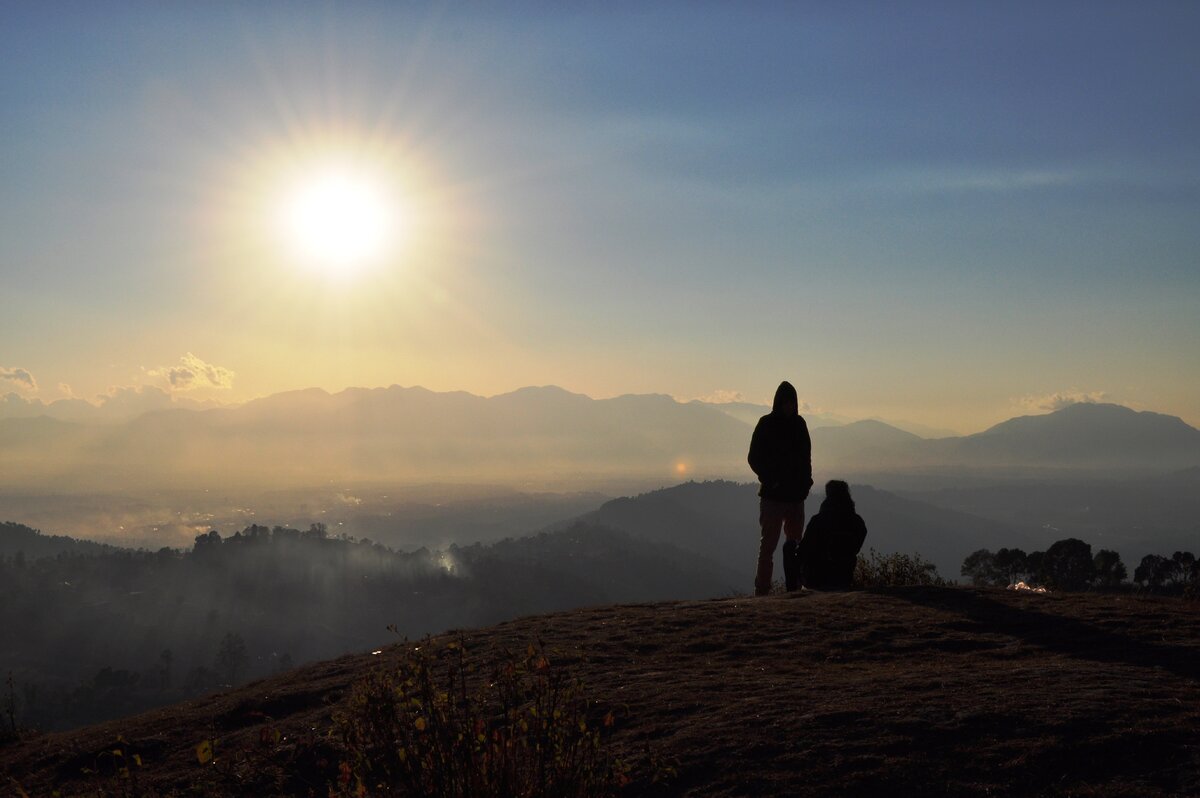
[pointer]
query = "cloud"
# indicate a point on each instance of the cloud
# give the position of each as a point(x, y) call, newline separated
point(192, 373)
point(23, 379)
point(120, 403)
point(721, 396)
point(1061, 399)
point(13, 405)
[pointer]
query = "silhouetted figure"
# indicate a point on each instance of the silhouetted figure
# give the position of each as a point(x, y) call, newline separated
point(781, 457)
point(832, 541)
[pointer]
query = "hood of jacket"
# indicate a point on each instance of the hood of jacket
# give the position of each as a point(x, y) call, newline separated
point(785, 397)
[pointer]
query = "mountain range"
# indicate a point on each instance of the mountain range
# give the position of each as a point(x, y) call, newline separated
point(536, 436)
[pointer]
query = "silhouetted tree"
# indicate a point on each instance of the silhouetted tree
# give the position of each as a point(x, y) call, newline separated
point(1004, 567)
point(1184, 568)
point(1068, 565)
point(207, 543)
point(1012, 565)
point(1109, 570)
point(980, 567)
point(231, 657)
point(1033, 566)
point(1153, 571)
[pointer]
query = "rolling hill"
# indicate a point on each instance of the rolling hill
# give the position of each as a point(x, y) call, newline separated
point(720, 521)
point(900, 691)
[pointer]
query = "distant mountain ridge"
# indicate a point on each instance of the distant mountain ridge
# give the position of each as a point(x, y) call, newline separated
point(1084, 435)
point(396, 433)
point(535, 436)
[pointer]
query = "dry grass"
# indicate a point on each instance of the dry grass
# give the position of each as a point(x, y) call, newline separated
point(918, 690)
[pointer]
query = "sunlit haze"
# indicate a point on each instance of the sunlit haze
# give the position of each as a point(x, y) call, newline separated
point(939, 214)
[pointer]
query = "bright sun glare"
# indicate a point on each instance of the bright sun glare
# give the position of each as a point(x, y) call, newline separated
point(338, 220)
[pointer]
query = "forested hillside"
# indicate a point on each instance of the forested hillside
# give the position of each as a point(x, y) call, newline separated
point(93, 636)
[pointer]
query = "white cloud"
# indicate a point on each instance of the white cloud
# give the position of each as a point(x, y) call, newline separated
point(21, 378)
point(192, 373)
point(1061, 399)
point(120, 403)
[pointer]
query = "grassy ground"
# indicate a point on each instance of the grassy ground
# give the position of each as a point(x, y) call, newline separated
point(902, 691)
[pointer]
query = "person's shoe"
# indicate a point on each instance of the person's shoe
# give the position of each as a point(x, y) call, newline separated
point(791, 565)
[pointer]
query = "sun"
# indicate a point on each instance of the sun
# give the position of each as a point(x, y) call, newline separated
point(338, 220)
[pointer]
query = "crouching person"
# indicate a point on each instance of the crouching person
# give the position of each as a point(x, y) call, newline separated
point(832, 541)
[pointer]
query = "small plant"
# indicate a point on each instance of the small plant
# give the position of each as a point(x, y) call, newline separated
point(438, 725)
point(895, 570)
point(8, 730)
point(116, 772)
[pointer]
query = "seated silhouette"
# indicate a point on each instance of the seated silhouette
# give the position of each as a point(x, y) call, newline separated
point(827, 553)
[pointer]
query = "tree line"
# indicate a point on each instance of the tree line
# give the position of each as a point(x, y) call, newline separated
point(91, 636)
point(1070, 565)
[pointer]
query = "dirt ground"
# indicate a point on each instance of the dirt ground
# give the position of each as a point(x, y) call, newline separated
point(903, 691)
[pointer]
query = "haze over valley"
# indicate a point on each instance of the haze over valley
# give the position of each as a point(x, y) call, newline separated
point(409, 467)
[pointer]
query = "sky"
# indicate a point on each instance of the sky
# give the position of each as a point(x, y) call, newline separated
point(946, 213)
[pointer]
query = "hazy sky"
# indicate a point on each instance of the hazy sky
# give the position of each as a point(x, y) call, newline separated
point(948, 213)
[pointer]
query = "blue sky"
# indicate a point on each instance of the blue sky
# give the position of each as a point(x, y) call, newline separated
point(949, 213)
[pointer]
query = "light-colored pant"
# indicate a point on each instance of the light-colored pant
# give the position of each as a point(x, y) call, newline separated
point(774, 516)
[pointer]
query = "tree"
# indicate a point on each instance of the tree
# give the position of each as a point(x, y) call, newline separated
point(980, 566)
point(1033, 566)
point(1110, 571)
point(1068, 565)
point(1184, 567)
point(1012, 565)
point(1153, 571)
point(207, 542)
point(231, 657)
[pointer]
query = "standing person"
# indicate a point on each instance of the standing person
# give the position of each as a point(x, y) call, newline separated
point(835, 536)
point(781, 457)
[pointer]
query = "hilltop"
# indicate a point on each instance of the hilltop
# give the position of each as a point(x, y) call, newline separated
point(936, 691)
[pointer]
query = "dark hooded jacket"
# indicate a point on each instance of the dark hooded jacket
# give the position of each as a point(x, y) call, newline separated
point(831, 544)
point(781, 451)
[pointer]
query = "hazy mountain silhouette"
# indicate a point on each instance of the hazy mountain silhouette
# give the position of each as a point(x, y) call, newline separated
point(403, 434)
point(862, 442)
point(32, 544)
point(1080, 436)
point(1084, 434)
point(534, 436)
point(719, 520)
point(1132, 516)
point(750, 413)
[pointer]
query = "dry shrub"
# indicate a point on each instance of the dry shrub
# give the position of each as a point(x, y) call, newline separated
point(437, 724)
point(895, 570)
